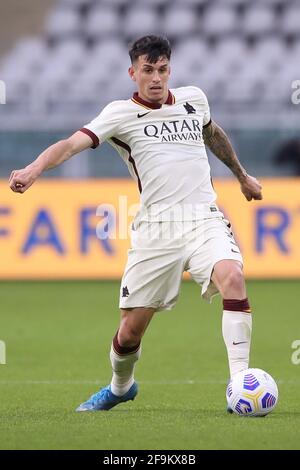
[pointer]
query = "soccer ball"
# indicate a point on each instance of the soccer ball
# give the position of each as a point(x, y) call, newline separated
point(252, 392)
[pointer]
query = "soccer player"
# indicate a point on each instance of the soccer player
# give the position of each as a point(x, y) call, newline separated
point(161, 135)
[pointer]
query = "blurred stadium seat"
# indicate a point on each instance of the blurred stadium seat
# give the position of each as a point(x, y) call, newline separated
point(224, 17)
point(139, 19)
point(289, 24)
point(63, 23)
point(259, 20)
point(102, 22)
point(116, 3)
point(76, 3)
point(179, 22)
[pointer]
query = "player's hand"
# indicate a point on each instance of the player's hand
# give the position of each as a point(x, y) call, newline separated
point(21, 180)
point(251, 188)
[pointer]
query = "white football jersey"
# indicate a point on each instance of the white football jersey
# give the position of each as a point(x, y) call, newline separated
point(163, 148)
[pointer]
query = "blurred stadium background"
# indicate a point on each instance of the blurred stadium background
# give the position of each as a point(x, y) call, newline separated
point(62, 61)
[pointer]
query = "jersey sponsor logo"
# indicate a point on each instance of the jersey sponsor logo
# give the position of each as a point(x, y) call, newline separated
point(176, 131)
point(143, 114)
point(189, 108)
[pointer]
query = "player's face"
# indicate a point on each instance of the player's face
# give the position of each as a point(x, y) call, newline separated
point(151, 79)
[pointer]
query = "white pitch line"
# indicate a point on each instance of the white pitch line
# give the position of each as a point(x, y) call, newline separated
point(142, 382)
point(99, 382)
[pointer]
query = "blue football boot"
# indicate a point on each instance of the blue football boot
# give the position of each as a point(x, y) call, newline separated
point(105, 399)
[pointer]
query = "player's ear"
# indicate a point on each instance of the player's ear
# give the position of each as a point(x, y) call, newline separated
point(131, 73)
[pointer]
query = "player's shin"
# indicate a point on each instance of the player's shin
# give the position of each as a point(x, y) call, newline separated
point(236, 329)
point(123, 362)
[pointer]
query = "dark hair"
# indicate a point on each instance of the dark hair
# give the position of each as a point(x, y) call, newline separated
point(153, 47)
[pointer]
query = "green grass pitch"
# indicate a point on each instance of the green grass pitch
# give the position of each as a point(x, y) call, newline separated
point(58, 336)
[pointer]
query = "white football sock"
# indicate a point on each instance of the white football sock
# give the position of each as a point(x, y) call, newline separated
point(123, 370)
point(236, 329)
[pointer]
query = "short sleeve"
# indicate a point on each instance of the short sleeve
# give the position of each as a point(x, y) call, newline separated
point(206, 118)
point(104, 126)
point(200, 98)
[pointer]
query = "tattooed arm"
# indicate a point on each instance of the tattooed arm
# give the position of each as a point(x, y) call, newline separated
point(218, 142)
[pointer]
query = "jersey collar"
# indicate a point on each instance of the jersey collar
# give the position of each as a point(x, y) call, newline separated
point(170, 100)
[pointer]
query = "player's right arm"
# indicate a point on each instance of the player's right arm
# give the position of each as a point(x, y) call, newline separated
point(21, 180)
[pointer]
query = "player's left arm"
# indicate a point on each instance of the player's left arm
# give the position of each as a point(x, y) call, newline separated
point(218, 142)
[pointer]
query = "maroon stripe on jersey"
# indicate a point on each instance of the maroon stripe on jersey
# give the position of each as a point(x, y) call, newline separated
point(128, 149)
point(121, 349)
point(208, 124)
point(92, 136)
point(140, 100)
point(235, 305)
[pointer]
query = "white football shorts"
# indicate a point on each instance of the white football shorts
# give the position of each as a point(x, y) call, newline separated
point(162, 251)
